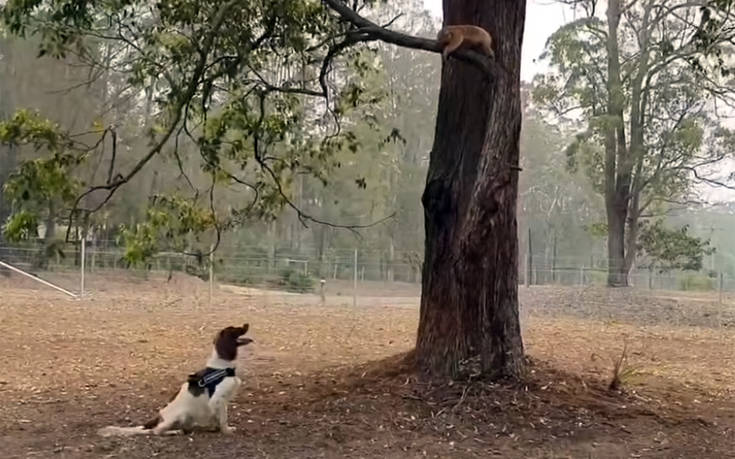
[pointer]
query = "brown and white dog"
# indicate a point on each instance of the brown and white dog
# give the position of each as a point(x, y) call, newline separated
point(202, 401)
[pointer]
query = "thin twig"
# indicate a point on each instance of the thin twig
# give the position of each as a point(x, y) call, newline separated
point(111, 188)
point(303, 216)
point(111, 170)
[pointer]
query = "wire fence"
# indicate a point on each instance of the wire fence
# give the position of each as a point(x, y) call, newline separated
point(348, 271)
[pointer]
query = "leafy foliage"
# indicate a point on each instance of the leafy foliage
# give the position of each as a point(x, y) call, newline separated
point(259, 93)
point(597, 229)
point(171, 223)
point(37, 184)
point(697, 282)
point(668, 249)
point(679, 132)
point(296, 281)
point(647, 134)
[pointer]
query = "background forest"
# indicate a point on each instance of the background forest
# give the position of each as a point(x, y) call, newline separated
point(374, 180)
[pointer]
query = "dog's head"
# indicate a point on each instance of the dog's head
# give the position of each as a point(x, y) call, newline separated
point(228, 339)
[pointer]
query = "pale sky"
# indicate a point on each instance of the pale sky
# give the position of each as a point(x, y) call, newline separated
point(543, 17)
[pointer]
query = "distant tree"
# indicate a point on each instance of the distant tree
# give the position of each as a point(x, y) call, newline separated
point(40, 187)
point(648, 80)
point(669, 249)
point(39, 85)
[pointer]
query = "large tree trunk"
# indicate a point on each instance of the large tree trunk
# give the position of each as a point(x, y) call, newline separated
point(469, 299)
point(616, 274)
point(634, 214)
point(618, 167)
point(637, 151)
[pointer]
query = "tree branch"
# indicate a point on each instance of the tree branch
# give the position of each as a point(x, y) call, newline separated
point(180, 163)
point(707, 180)
point(217, 229)
point(111, 170)
point(184, 99)
point(303, 216)
point(375, 32)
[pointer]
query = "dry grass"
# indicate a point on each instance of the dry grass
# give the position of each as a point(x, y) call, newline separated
point(318, 383)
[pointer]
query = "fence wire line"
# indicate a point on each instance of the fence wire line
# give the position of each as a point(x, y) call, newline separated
point(303, 271)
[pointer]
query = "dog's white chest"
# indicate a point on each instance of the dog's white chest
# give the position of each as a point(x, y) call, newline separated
point(200, 409)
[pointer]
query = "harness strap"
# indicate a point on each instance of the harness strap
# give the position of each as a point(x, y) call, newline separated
point(208, 379)
point(215, 377)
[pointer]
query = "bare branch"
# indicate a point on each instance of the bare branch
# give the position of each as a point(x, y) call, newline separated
point(111, 170)
point(707, 180)
point(217, 229)
point(375, 32)
point(183, 100)
point(389, 23)
point(267, 85)
point(180, 163)
point(303, 216)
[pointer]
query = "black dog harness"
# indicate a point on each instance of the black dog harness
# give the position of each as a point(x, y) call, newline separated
point(208, 378)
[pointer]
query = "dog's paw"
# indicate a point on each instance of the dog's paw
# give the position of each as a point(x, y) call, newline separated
point(228, 430)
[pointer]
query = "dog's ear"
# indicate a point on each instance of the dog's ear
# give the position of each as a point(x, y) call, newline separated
point(245, 328)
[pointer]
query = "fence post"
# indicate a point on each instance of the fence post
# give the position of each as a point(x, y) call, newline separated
point(553, 262)
point(354, 286)
point(581, 276)
point(529, 260)
point(93, 262)
point(81, 286)
point(211, 273)
point(722, 284)
point(650, 279)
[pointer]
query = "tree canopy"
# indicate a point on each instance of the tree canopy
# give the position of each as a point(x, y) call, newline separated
point(260, 92)
point(651, 85)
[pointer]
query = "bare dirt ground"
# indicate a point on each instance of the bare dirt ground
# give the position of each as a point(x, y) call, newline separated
point(326, 380)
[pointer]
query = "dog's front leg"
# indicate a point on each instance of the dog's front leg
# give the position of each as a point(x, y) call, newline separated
point(220, 412)
point(222, 415)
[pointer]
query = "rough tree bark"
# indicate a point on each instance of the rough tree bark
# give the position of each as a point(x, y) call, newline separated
point(636, 152)
point(469, 300)
point(618, 167)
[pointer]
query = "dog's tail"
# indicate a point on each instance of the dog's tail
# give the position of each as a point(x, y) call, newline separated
point(145, 429)
point(115, 431)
